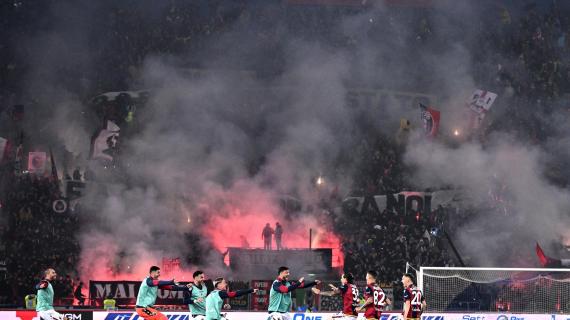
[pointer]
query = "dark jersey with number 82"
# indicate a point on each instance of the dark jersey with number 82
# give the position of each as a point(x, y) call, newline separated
point(374, 310)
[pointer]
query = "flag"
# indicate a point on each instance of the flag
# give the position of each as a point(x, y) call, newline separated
point(54, 175)
point(430, 118)
point(479, 104)
point(37, 162)
point(53, 166)
point(481, 101)
point(546, 261)
point(104, 142)
point(4, 146)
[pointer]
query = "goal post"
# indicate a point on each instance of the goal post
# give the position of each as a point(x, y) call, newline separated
point(520, 290)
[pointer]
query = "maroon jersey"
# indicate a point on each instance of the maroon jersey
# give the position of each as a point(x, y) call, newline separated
point(415, 296)
point(374, 310)
point(349, 299)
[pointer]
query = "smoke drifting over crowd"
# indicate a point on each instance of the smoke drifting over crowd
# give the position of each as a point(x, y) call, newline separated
point(215, 155)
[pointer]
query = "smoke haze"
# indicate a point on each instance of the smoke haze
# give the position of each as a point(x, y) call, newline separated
point(213, 155)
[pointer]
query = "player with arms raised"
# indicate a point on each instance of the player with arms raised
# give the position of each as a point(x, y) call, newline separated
point(280, 294)
point(349, 293)
point(196, 297)
point(148, 292)
point(215, 299)
point(414, 301)
point(375, 298)
point(45, 297)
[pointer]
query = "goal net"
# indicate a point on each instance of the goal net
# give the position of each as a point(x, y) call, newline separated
point(495, 289)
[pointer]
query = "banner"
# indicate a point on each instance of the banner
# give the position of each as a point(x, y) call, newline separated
point(37, 162)
point(260, 300)
point(125, 293)
point(326, 316)
point(401, 203)
point(104, 142)
point(430, 118)
point(252, 263)
point(330, 303)
point(33, 315)
point(479, 103)
point(239, 303)
point(493, 316)
point(230, 315)
point(236, 316)
point(119, 95)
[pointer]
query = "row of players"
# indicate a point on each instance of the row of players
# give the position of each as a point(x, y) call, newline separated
point(208, 306)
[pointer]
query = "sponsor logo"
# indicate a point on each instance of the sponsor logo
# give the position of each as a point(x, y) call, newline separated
point(26, 315)
point(119, 316)
point(75, 316)
point(134, 316)
point(553, 317)
point(433, 318)
point(470, 317)
point(505, 317)
point(302, 316)
point(389, 317)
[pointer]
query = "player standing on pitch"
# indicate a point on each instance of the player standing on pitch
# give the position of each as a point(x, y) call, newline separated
point(149, 291)
point(375, 298)
point(196, 298)
point(349, 293)
point(414, 301)
point(45, 294)
point(215, 299)
point(280, 294)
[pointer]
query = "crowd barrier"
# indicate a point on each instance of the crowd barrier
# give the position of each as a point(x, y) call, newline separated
point(131, 315)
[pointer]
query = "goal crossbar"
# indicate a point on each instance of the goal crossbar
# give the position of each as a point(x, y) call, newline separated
point(523, 290)
point(423, 269)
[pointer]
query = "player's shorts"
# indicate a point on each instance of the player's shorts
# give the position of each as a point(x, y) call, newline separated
point(149, 313)
point(50, 315)
point(342, 316)
point(279, 316)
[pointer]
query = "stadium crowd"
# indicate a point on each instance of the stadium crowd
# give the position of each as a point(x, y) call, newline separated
point(37, 236)
point(529, 65)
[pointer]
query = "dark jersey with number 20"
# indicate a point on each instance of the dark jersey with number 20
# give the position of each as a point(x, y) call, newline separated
point(415, 296)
